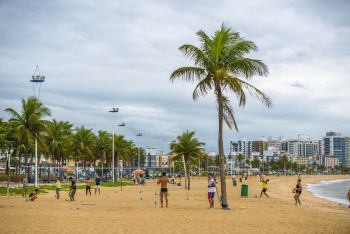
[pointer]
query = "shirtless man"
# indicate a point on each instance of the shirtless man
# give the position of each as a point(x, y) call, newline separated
point(25, 186)
point(164, 181)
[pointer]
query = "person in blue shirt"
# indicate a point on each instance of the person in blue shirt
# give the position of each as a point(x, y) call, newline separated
point(97, 184)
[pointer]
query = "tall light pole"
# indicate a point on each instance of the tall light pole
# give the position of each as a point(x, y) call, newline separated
point(121, 133)
point(37, 80)
point(138, 150)
point(113, 114)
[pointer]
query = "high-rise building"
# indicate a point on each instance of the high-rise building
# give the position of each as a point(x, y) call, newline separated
point(303, 147)
point(242, 146)
point(333, 144)
point(347, 151)
point(259, 146)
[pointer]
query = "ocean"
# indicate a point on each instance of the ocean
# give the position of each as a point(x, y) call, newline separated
point(332, 190)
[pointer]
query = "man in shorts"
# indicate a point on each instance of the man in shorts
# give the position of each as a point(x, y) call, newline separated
point(97, 184)
point(211, 190)
point(264, 186)
point(25, 186)
point(73, 189)
point(163, 181)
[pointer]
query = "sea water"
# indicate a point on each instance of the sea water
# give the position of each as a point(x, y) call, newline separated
point(332, 190)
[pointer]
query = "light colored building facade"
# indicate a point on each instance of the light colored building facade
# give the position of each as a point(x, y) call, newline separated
point(347, 151)
point(241, 147)
point(333, 144)
point(303, 160)
point(303, 147)
point(329, 161)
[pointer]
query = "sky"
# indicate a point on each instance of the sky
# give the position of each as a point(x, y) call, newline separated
point(97, 55)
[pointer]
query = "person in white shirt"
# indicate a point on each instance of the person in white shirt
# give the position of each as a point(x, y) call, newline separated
point(211, 190)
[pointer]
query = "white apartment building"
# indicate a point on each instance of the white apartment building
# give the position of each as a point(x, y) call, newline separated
point(303, 147)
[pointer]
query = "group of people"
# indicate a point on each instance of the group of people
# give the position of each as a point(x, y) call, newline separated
point(72, 188)
point(163, 181)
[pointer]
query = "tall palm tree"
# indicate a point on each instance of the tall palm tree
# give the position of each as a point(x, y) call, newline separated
point(220, 62)
point(84, 140)
point(188, 147)
point(103, 145)
point(239, 158)
point(29, 123)
point(57, 132)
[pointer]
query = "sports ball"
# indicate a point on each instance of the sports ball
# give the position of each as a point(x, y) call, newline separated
point(294, 190)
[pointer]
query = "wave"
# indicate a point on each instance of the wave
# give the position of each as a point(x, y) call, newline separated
point(331, 190)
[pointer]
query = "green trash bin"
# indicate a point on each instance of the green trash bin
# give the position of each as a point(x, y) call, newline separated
point(240, 179)
point(235, 183)
point(244, 190)
point(246, 178)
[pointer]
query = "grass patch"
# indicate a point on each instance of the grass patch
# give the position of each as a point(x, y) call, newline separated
point(18, 191)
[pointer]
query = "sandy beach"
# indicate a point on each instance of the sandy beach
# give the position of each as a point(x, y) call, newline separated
point(134, 210)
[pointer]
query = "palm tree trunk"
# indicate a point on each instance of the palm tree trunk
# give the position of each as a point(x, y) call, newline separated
point(221, 150)
point(188, 174)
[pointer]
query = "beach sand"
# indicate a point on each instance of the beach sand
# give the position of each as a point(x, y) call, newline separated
point(124, 211)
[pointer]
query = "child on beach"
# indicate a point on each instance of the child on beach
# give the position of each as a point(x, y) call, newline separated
point(34, 195)
point(88, 187)
point(264, 186)
point(97, 184)
point(58, 188)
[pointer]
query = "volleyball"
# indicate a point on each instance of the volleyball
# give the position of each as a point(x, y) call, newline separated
point(294, 190)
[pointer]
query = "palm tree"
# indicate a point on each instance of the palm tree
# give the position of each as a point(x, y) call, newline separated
point(219, 63)
point(188, 147)
point(103, 145)
point(84, 140)
point(29, 124)
point(57, 137)
point(239, 158)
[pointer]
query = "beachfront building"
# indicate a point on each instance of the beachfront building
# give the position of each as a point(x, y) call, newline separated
point(150, 157)
point(333, 144)
point(329, 161)
point(270, 154)
point(303, 147)
point(279, 144)
point(347, 151)
point(163, 160)
point(303, 161)
point(241, 147)
point(259, 146)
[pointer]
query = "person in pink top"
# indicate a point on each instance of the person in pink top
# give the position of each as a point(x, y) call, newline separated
point(88, 187)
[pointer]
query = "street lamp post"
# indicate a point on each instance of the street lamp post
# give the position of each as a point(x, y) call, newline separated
point(121, 133)
point(37, 80)
point(113, 114)
point(138, 150)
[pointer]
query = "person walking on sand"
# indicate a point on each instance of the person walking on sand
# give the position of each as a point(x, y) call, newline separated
point(264, 186)
point(25, 186)
point(298, 190)
point(211, 190)
point(73, 189)
point(88, 186)
point(163, 181)
point(58, 188)
point(348, 197)
point(97, 184)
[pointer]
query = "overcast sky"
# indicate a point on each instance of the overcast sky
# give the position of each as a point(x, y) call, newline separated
point(94, 53)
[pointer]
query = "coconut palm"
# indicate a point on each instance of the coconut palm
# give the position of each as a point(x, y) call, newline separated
point(188, 147)
point(29, 123)
point(84, 141)
point(103, 145)
point(220, 62)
